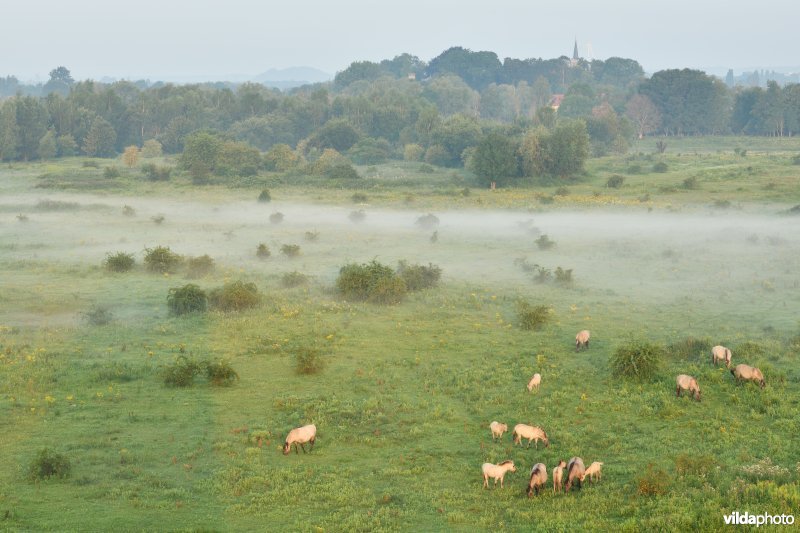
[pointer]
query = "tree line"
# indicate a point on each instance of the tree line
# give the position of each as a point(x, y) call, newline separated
point(437, 111)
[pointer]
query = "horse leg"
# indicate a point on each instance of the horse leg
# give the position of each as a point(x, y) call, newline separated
point(303, 445)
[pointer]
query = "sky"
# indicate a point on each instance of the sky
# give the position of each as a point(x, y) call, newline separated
point(168, 39)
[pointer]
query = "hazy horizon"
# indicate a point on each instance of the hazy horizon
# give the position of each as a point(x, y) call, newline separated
point(95, 39)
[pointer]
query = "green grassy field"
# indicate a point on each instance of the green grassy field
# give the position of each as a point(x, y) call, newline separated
point(407, 392)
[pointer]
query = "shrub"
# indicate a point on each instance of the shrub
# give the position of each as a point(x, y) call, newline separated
point(156, 173)
point(561, 191)
point(128, 211)
point(637, 359)
point(262, 252)
point(634, 169)
point(413, 152)
point(276, 218)
point(90, 164)
point(308, 360)
point(48, 464)
point(111, 172)
point(161, 259)
point(690, 347)
point(429, 221)
point(796, 160)
point(197, 267)
point(235, 296)
point(690, 183)
point(294, 279)
point(418, 277)
point(290, 250)
point(220, 373)
point(544, 199)
point(653, 482)
point(98, 315)
point(359, 198)
point(342, 171)
point(661, 147)
point(158, 219)
point(357, 216)
point(372, 282)
point(312, 236)
point(615, 181)
point(563, 276)
point(660, 167)
point(544, 242)
point(119, 262)
point(187, 299)
point(694, 464)
point(265, 196)
point(181, 373)
point(532, 317)
point(424, 168)
point(722, 204)
point(151, 148)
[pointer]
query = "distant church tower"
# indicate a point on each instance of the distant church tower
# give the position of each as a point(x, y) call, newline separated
point(575, 57)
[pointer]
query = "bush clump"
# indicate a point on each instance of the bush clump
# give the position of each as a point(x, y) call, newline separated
point(161, 259)
point(154, 172)
point(357, 216)
point(690, 183)
point(262, 252)
point(615, 181)
point(276, 218)
point(418, 277)
point(690, 347)
point(308, 360)
point(544, 242)
point(660, 167)
point(119, 262)
point(187, 299)
point(532, 317)
point(197, 267)
point(111, 172)
point(48, 464)
point(98, 315)
point(235, 296)
point(265, 196)
point(653, 482)
point(637, 359)
point(359, 198)
point(312, 236)
point(290, 250)
point(181, 373)
point(294, 279)
point(429, 221)
point(220, 373)
point(372, 282)
point(563, 275)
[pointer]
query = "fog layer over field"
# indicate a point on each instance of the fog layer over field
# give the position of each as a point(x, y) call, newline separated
point(725, 260)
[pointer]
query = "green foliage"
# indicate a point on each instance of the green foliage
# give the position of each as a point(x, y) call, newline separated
point(98, 315)
point(699, 465)
point(154, 172)
point(128, 211)
point(281, 158)
point(161, 260)
point(101, 139)
point(690, 183)
point(342, 171)
point(660, 167)
point(312, 236)
point(796, 160)
point(561, 152)
point(111, 172)
point(119, 262)
point(181, 372)
point(235, 296)
point(187, 299)
point(414, 152)
point(200, 153)
point(276, 218)
point(418, 277)
point(48, 464)
point(359, 198)
point(262, 252)
point(652, 482)
point(220, 373)
point(337, 134)
point(372, 282)
point(198, 267)
point(290, 250)
point(236, 158)
point(308, 359)
point(495, 159)
point(294, 279)
point(690, 348)
point(370, 151)
point(637, 359)
point(428, 222)
point(563, 276)
point(265, 196)
point(544, 242)
point(151, 148)
point(532, 317)
point(615, 181)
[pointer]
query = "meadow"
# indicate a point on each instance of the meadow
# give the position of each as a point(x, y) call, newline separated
point(703, 251)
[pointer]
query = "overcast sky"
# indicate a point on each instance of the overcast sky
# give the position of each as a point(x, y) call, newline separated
point(167, 39)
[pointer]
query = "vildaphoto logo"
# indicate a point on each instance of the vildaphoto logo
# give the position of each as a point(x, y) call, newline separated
point(747, 519)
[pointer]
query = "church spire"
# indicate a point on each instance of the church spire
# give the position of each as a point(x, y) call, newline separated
point(575, 55)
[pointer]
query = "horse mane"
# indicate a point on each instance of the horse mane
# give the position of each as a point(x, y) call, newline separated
point(507, 461)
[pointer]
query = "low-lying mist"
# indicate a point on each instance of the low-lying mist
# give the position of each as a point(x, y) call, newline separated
point(742, 262)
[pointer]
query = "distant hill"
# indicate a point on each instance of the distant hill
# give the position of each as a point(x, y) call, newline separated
point(291, 77)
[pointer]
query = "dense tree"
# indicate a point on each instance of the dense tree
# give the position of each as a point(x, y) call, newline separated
point(100, 139)
point(130, 156)
point(495, 159)
point(452, 95)
point(48, 148)
point(559, 153)
point(454, 135)
point(477, 69)
point(337, 134)
point(643, 114)
point(60, 82)
point(200, 155)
